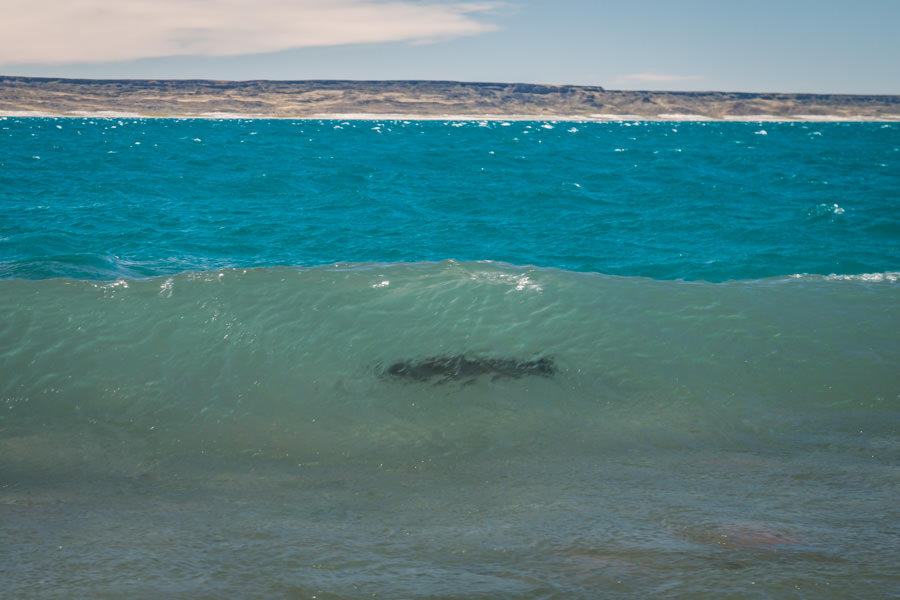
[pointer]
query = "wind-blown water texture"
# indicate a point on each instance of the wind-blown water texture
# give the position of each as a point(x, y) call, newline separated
point(197, 335)
point(214, 345)
point(696, 437)
point(714, 201)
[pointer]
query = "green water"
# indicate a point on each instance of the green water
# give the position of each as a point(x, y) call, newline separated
point(229, 433)
point(198, 320)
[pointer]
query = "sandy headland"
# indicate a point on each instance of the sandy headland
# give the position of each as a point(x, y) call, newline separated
point(32, 96)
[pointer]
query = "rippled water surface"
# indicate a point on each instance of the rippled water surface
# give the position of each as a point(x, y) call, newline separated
point(276, 359)
point(714, 201)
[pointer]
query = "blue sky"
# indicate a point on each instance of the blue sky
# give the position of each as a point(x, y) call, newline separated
point(817, 46)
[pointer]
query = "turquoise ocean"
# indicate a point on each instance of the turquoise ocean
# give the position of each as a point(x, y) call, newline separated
point(449, 359)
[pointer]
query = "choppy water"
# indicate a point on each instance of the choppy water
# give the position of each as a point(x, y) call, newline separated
point(199, 320)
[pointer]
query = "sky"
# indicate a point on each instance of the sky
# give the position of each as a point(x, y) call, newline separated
point(802, 46)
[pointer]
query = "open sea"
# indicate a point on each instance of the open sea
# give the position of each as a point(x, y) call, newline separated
point(426, 359)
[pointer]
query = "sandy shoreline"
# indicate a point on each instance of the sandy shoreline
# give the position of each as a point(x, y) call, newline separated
point(598, 118)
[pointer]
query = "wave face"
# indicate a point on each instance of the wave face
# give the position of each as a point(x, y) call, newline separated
point(353, 340)
point(714, 201)
point(215, 345)
point(229, 369)
point(724, 424)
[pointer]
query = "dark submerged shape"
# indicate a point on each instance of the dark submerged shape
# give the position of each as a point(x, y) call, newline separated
point(461, 367)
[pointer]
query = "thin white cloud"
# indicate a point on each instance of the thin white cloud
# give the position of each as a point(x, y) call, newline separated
point(656, 78)
point(69, 31)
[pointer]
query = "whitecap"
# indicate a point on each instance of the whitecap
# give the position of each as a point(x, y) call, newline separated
point(165, 290)
point(824, 209)
point(890, 277)
point(119, 283)
point(886, 277)
point(518, 282)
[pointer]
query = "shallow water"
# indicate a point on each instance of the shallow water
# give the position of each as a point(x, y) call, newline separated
point(192, 414)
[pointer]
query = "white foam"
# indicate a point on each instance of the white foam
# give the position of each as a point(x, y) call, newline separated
point(826, 209)
point(106, 114)
point(229, 115)
point(593, 117)
point(756, 118)
point(165, 290)
point(889, 277)
point(683, 117)
point(615, 117)
point(119, 283)
point(886, 277)
point(520, 282)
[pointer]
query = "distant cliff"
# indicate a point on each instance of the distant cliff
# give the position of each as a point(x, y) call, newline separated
point(414, 98)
